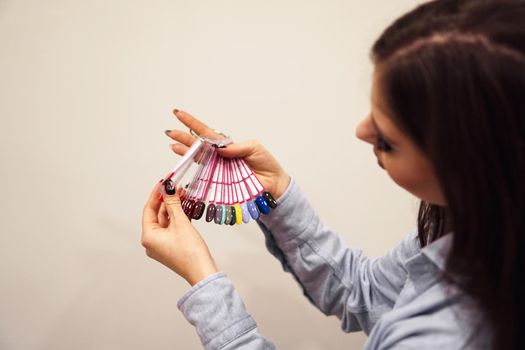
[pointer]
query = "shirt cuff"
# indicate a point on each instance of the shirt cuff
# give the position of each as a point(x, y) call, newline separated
point(216, 310)
point(292, 216)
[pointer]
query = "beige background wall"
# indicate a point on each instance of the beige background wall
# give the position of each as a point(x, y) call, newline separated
point(86, 92)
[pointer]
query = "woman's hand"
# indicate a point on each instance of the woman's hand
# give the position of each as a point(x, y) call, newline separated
point(269, 172)
point(169, 237)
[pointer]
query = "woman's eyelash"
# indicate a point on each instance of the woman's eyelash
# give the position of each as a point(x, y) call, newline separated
point(382, 144)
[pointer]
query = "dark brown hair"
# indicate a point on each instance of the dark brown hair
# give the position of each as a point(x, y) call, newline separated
point(452, 73)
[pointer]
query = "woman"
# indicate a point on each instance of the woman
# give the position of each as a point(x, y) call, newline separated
point(447, 123)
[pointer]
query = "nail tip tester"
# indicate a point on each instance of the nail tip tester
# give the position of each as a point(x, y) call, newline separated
point(223, 190)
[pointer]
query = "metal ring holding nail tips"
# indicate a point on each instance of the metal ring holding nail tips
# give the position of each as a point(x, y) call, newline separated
point(193, 133)
point(217, 143)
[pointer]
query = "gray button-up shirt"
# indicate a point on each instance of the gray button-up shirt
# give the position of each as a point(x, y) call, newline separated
point(400, 299)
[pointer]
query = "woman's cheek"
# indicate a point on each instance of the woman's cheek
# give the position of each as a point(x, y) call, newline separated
point(415, 181)
point(403, 177)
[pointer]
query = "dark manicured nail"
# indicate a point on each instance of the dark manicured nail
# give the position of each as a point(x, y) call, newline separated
point(218, 214)
point(210, 213)
point(269, 199)
point(169, 187)
point(198, 210)
point(167, 132)
point(185, 204)
point(234, 218)
point(175, 110)
point(189, 208)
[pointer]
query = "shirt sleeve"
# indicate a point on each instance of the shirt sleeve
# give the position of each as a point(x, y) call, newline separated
point(219, 316)
point(337, 279)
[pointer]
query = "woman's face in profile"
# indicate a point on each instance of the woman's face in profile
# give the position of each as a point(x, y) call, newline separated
point(396, 153)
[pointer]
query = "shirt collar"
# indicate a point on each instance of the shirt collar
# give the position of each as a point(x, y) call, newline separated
point(438, 250)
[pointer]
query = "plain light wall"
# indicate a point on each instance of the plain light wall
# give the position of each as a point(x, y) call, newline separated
point(87, 89)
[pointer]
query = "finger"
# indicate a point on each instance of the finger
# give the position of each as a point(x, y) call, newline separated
point(163, 216)
point(182, 137)
point(180, 149)
point(240, 150)
point(151, 209)
point(196, 125)
point(173, 205)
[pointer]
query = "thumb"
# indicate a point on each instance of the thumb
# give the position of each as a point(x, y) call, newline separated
point(171, 197)
point(239, 150)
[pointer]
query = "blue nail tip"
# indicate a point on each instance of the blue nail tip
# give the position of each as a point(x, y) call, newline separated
point(262, 205)
point(254, 212)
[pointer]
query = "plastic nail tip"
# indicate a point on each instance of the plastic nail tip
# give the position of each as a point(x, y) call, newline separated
point(228, 215)
point(218, 214)
point(262, 205)
point(234, 216)
point(238, 214)
point(269, 199)
point(169, 187)
point(185, 205)
point(245, 213)
point(198, 210)
point(210, 212)
point(254, 211)
point(189, 208)
point(223, 218)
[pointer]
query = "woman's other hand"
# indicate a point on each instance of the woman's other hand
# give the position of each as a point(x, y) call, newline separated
point(169, 237)
point(269, 172)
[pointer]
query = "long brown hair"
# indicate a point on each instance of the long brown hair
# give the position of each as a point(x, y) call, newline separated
point(453, 77)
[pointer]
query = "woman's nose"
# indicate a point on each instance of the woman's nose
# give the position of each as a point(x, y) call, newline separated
point(365, 130)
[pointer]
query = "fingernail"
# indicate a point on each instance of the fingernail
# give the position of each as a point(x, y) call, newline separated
point(254, 211)
point(190, 207)
point(161, 180)
point(262, 205)
point(269, 199)
point(167, 132)
point(175, 110)
point(198, 210)
point(169, 187)
point(210, 213)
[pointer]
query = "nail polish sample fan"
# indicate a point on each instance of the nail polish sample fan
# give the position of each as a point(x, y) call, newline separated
point(226, 186)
